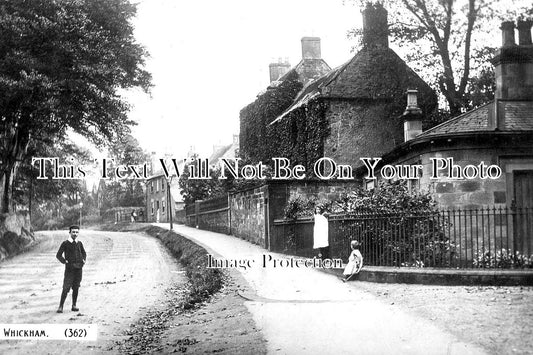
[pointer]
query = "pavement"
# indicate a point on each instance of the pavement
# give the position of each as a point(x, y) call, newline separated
point(303, 310)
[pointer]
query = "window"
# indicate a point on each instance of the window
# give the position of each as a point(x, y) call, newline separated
point(152, 186)
point(152, 205)
point(370, 184)
point(163, 205)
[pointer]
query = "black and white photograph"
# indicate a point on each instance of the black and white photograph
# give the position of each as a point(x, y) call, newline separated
point(266, 177)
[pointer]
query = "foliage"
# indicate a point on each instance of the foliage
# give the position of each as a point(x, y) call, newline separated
point(300, 135)
point(62, 64)
point(403, 228)
point(255, 143)
point(193, 189)
point(204, 282)
point(125, 150)
point(390, 197)
point(445, 41)
point(300, 207)
point(502, 259)
point(50, 201)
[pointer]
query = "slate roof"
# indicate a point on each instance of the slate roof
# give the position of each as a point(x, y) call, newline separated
point(373, 73)
point(511, 116)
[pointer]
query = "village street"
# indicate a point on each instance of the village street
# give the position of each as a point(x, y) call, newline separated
point(125, 273)
point(301, 310)
point(291, 310)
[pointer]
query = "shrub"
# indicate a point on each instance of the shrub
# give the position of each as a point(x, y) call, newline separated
point(400, 227)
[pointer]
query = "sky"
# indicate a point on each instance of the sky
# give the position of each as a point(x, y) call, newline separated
point(209, 59)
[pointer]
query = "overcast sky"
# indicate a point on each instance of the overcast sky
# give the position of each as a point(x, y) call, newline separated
point(210, 58)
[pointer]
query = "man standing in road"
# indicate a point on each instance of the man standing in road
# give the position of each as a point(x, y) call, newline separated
point(74, 260)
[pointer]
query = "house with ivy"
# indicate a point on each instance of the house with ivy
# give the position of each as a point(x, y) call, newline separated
point(256, 142)
point(346, 113)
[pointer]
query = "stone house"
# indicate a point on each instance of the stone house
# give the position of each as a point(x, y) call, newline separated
point(351, 111)
point(158, 197)
point(285, 83)
point(488, 150)
point(498, 133)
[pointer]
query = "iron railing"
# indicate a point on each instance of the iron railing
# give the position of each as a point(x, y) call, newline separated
point(494, 237)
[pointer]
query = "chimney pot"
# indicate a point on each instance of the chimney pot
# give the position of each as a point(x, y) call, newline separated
point(311, 48)
point(524, 32)
point(507, 28)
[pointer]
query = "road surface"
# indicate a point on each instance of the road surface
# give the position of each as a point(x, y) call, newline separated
point(124, 273)
point(303, 310)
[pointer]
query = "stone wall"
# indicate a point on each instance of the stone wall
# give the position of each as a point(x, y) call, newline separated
point(248, 215)
point(493, 230)
point(15, 233)
point(217, 221)
point(471, 193)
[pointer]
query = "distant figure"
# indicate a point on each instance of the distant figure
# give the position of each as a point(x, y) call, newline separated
point(74, 260)
point(133, 216)
point(355, 261)
point(157, 216)
point(321, 233)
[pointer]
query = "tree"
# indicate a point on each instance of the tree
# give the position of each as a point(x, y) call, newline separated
point(200, 189)
point(446, 41)
point(62, 64)
point(125, 192)
point(51, 201)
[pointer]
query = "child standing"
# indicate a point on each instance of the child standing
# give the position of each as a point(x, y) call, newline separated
point(355, 261)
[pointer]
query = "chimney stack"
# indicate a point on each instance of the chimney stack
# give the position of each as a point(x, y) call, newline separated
point(311, 48)
point(375, 26)
point(513, 64)
point(412, 117)
point(507, 28)
point(277, 70)
point(524, 32)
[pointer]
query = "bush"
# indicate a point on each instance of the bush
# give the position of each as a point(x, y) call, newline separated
point(400, 227)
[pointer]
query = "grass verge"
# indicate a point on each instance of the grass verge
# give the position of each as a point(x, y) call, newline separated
point(204, 282)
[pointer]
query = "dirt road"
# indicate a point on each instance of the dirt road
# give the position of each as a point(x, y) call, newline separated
point(124, 274)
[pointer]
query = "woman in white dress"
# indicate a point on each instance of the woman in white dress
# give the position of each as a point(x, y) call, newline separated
point(321, 233)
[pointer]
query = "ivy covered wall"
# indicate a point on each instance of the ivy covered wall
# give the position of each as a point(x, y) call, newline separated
point(300, 135)
point(255, 144)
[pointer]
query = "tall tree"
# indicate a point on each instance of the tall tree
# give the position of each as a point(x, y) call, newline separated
point(125, 192)
point(450, 42)
point(62, 64)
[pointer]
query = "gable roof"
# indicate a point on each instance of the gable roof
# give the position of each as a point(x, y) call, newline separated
point(373, 73)
point(509, 116)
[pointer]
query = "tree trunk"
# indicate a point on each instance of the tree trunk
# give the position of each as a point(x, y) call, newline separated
point(17, 146)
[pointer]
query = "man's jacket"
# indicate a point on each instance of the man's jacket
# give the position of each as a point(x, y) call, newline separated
point(75, 255)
